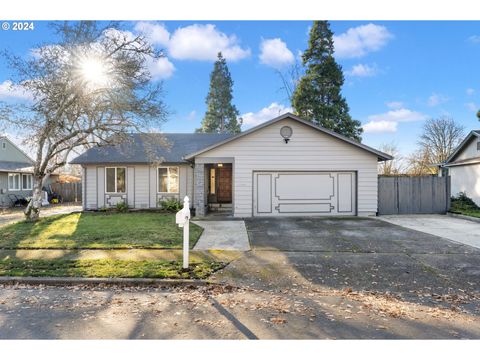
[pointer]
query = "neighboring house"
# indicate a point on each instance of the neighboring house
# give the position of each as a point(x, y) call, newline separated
point(15, 172)
point(286, 166)
point(464, 167)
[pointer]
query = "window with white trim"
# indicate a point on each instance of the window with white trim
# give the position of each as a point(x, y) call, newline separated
point(14, 182)
point(27, 182)
point(167, 179)
point(4, 145)
point(115, 179)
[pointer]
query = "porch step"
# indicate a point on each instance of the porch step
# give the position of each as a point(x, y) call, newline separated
point(219, 206)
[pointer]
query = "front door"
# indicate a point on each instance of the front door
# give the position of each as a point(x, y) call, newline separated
point(224, 183)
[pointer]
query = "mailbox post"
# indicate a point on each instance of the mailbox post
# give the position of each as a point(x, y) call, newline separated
point(182, 219)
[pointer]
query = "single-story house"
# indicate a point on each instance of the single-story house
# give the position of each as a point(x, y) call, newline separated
point(285, 166)
point(16, 173)
point(464, 167)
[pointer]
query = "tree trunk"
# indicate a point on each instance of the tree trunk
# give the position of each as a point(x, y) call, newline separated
point(32, 212)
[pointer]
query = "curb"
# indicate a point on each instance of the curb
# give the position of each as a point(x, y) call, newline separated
point(69, 281)
point(464, 217)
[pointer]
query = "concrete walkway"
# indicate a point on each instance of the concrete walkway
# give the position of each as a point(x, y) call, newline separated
point(223, 235)
point(455, 229)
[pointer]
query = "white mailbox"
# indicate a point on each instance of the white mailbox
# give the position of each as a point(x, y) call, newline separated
point(182, 218)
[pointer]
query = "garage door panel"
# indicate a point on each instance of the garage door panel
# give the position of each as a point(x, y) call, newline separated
point(300, 208)
point(304, 186)
point(304, 193)
point(264, 193)
point(345, 185)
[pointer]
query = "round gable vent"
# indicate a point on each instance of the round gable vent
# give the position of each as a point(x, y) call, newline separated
point(286, 132)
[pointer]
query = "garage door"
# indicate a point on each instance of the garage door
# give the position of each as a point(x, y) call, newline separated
point(301, 193)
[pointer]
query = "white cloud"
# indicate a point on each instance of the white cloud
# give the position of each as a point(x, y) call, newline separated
point(203, 42)
point(156, 34)
point(267, 113)
point(436, 99)
point(470, 91)
point(380, 126)
point(275, 53)
point(472, 106)
point(9, 90)
point(388, 121)
point(191, 115)
point(474, 39)
point(362, 70)
point(160, 68)
point(394, 104)
point(360, 40)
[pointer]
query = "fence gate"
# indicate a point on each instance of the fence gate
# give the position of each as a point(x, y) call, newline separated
point(413, 195)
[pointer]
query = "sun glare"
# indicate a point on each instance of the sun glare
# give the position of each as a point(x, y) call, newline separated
point(95, 73)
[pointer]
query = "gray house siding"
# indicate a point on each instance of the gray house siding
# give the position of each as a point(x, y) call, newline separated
point(141, 185)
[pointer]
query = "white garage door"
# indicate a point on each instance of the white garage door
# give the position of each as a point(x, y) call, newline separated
point(301, 193)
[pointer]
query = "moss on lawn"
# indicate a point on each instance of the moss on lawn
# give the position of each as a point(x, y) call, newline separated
point(108, 268)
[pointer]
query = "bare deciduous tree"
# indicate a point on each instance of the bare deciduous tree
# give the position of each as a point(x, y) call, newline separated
point(394, 166)
point(440, 137)
point(289, 79)
point(438, 140)
point(91, 88)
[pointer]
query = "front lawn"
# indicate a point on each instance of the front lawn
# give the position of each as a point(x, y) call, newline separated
point(148, 230)
point(108, 268)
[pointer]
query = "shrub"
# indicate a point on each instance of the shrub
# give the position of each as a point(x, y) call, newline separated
point(462, 202)
point(171, 205)
point(121, 206)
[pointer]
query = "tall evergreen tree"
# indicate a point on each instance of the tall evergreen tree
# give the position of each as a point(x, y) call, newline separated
point(318, 97)
point(222, 115)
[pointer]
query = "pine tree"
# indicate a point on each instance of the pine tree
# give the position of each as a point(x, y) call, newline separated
point(318, 97)
point(221, 115)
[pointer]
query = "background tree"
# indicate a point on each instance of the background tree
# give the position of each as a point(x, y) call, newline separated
point(90, 88)
point(437, 142)
point(221, 116)
point(318, 97)
point(289, 79)
point(391, 167)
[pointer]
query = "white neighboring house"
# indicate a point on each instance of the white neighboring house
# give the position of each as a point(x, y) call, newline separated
point(464, 167)
point(286, 166)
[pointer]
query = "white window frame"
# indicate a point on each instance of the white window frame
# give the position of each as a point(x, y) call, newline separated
point(115, 167)
point(31, 182)
point(4, 145)
point(19, 182)
point(168, 180)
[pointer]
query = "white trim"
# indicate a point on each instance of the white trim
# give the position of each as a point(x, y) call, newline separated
point(31, 182)
point(19, 182)
point(115, 167)
point(168, 180)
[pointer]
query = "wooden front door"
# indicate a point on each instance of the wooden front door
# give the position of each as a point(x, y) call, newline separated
point(224, 183)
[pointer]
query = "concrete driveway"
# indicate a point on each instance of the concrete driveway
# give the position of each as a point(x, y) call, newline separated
point(361, 254)
point(456, 229)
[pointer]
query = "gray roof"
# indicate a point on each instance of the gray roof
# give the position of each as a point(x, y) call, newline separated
point(148, 148)
point(7, 166)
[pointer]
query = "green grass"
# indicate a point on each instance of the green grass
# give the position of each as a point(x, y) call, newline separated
point(98, 231)
point(473, 213)
point(108, 268)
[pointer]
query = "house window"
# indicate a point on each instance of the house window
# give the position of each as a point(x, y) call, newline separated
point(27, 180)
point(4, 145)
point(115, 179)
point(212, 181)
point(13, 182)
point(168, 179)
point(478, 146)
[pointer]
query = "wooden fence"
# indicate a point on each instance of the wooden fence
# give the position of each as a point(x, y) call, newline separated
point(413, 195)
point(70, 192)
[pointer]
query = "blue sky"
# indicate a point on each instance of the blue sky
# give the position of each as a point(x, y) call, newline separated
point(397, 73)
